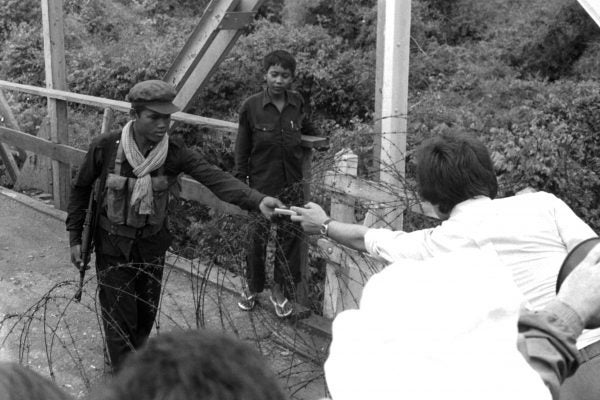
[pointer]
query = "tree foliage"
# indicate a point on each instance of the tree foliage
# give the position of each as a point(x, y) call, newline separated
point(557, 46)
point(521, 74)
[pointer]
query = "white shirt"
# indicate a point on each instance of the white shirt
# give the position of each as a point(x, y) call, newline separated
point(531, 233)
point(458, 345)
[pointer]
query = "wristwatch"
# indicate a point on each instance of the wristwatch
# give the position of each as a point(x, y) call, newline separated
point(325, 226)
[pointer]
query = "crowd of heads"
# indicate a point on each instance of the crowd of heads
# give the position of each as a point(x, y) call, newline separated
point(193, 364)
point(21, 383)
point(179, 365)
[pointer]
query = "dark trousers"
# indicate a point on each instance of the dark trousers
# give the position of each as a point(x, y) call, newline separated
point(286, 269)
point(129, 292)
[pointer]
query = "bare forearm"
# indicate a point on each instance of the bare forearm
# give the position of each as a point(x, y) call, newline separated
point(349, 235)
point(313, 218)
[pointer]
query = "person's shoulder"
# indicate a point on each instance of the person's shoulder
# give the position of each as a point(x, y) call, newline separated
point(532, 200)
point(534, 196)
point(252, 99)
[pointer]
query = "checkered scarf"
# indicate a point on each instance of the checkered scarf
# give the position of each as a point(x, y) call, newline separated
point(142, 196)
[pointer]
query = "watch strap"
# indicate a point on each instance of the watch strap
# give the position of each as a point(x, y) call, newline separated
point(325, 226)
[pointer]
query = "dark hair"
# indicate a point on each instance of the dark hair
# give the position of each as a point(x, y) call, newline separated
point(282, 58)
point(194, 364)
point(18, 382)
point(452, 168)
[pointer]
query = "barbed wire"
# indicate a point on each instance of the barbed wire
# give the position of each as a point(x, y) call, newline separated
point(66, 338)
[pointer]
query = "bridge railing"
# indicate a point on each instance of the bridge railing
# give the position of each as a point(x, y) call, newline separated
point(191, 190)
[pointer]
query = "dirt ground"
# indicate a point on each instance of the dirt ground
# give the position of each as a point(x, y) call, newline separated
point(44, 328)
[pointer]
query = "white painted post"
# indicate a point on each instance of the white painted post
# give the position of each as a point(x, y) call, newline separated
point(391, 104)
point(336, 279)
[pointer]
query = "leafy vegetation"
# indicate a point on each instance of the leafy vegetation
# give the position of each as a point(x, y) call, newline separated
point(521, 75)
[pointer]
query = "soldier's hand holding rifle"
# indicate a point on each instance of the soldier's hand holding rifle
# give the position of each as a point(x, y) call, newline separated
point(80, 253)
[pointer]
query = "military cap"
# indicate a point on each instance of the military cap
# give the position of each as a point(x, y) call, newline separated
point(155, 95)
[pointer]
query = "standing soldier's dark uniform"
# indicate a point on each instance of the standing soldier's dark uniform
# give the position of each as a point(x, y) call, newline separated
point(269, 156)
point(136, 168)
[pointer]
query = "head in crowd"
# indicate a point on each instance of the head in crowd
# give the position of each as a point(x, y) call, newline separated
point(442, 328)
point(452, 168)
point(19, 383)
point(194, 364)
point(280, 58)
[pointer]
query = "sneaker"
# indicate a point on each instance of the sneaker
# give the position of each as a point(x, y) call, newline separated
point(247, 302)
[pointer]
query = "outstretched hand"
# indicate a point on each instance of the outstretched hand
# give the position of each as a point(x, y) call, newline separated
point(311, 217)
point(268, 204)
point(581, 289)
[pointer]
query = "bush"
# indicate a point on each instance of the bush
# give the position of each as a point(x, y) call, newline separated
point(558, 150)
point(338, 82)
point(558, 45)
point(22, 57)
point(15, 12)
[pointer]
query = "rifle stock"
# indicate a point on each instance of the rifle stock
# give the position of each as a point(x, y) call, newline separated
point(87, 239)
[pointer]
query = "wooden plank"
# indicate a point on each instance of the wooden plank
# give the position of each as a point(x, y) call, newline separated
point(350, 269)
point(107, 120)
point(222, 42)
point(198, 42)
point(360, 188)
point(592, 7)
point(302, 289)
point(56, 78)
point(376, 192)
point(190, 188)
point(36, 172)
point(337, 283)
point(56, 151)
point(117, 105)
point(9, 162)
point(379, 47)
point(5, 152)
point(9, 120)
point(314, 142)
point(392, 87)
point(236, 20)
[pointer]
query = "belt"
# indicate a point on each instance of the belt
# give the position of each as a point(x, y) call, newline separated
point(589, 352)
point(128, 231)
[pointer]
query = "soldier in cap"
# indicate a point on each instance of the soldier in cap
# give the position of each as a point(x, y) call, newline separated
point(135, 169)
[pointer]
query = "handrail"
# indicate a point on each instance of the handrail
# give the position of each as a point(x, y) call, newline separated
point(100, 102)
point(191, 190)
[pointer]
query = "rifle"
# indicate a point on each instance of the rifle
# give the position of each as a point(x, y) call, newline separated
point(87, 239)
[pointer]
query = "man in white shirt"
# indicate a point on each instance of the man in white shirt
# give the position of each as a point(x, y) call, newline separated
point(479, 353)
point(531, 233)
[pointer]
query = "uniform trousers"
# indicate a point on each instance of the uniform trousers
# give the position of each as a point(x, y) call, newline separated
point(288, 245)
point(129, 293)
